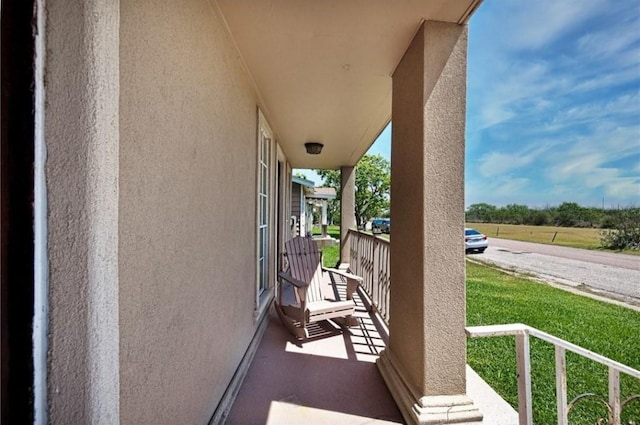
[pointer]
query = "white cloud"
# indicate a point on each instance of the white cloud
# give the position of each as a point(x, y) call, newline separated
point(510, 186)
point(541, 22)
point(603, 79)
point(627, 104)
point(504, 190)
point(624, 188)
point(589, 164)
point(498, 163)
point(522, 86)
point(569, 167)
point(601, 177)
point(494, 113)
point(610, 42)
point(603, 122)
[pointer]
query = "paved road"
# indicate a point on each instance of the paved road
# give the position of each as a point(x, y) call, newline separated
point(617, 275)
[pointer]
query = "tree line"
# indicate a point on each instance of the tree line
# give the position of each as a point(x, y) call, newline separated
point(567, 214)
point(372, 185)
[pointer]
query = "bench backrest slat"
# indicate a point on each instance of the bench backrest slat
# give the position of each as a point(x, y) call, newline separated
point(304, 264)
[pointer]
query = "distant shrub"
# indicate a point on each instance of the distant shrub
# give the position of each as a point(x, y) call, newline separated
point(625, 232)
point(608, 223)
point(540, 218)
point(620, 239)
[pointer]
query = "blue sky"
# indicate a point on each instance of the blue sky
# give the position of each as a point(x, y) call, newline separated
point(553, 103)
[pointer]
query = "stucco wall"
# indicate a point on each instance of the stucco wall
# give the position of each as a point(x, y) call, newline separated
point(80, 129)
point(187, 211)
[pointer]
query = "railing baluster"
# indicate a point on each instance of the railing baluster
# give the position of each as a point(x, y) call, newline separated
point(561, 386)
point(372, 265)
point(614, 395)
point(523, 361)
point(375, 281)
point(383, 279)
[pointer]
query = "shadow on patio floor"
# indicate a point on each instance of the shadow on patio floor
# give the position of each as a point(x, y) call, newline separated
point(329, 379)
point(332, 378)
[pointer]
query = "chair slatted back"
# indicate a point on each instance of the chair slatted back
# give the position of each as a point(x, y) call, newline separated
point(304, 265)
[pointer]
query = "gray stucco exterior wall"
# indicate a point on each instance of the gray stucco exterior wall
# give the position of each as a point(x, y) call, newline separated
point(187, 211)
point(82, 135)
point(150, 128)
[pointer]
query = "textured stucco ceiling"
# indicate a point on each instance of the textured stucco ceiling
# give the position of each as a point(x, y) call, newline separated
point(323, 67)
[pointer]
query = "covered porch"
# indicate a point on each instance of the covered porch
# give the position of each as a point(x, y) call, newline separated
point(349, 70)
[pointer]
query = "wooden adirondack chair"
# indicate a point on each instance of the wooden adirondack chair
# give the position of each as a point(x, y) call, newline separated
point(305, 275)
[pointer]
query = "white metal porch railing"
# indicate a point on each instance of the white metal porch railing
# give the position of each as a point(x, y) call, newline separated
point(370, 259)
point(523, 363)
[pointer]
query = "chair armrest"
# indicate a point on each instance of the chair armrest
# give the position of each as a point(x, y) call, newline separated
point(346, 275)
point(296, 282)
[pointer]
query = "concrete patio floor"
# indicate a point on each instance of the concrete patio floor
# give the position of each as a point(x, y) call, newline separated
point(332, 378)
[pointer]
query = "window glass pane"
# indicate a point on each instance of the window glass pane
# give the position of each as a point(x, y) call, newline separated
point(265, 149)
point(261, 274)
point(265, 241)
point(262, 262)
point(265, 179)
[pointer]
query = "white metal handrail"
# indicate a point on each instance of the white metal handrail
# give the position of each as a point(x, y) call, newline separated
point(523, 362)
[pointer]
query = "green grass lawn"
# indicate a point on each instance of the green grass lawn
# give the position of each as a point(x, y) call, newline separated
point(330, 254)
point(495, 297)
point(574, 237)
point(566, 236)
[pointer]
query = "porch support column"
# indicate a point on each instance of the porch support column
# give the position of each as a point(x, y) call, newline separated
point(323, 219)
point(424, 364)
point(347, 211)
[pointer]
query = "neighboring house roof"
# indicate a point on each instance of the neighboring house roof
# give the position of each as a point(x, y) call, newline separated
point(323, 193)
point(303, 182)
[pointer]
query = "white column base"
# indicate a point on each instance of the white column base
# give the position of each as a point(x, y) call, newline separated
point(425, 410)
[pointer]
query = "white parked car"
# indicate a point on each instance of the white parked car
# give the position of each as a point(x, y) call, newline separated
point(474, 241)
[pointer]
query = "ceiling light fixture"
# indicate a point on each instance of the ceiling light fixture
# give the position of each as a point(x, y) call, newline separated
point(313, 148)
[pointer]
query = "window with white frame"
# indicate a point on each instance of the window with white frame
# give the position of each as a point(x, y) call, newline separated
point(264, 206)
